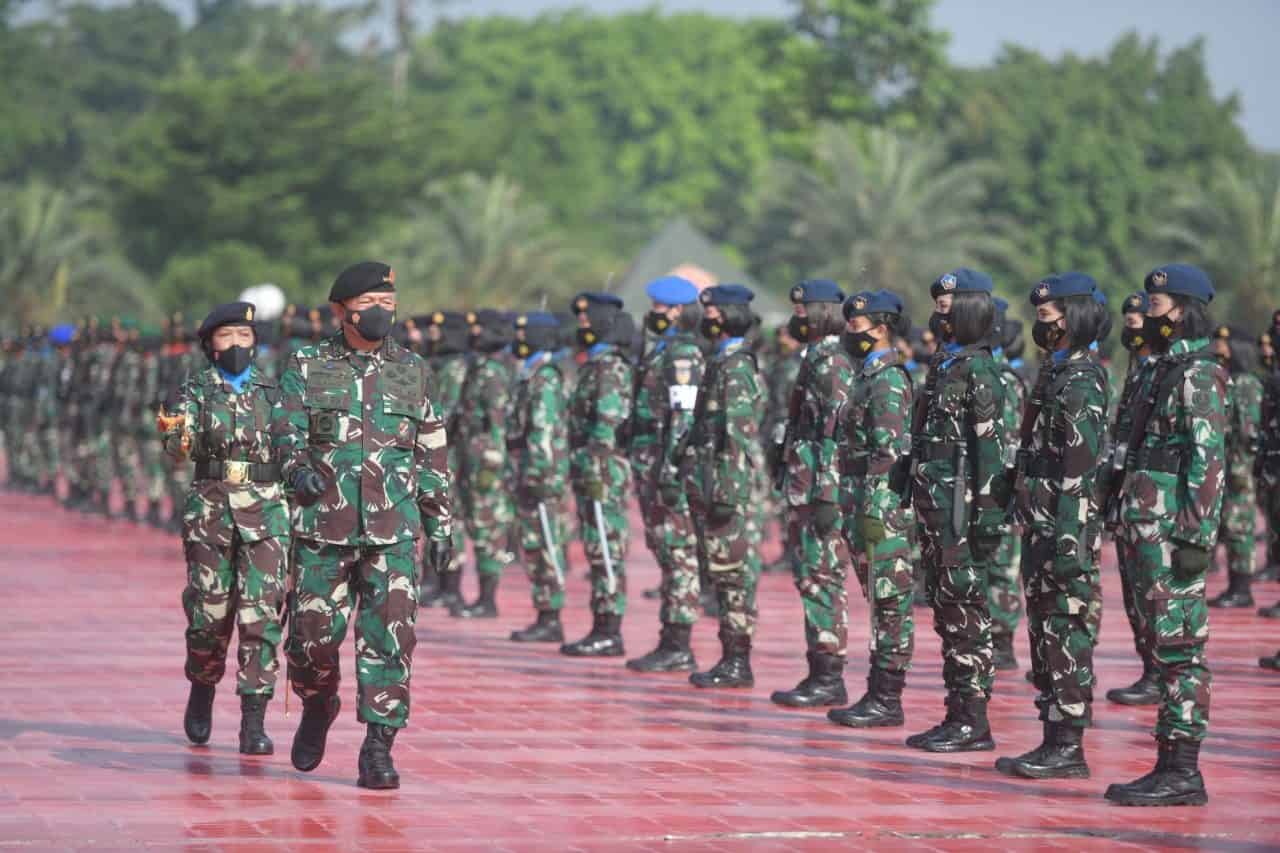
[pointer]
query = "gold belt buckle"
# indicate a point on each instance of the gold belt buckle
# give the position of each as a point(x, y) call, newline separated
point(237, 473)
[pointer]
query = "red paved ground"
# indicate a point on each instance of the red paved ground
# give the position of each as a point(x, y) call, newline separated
point(511, 747)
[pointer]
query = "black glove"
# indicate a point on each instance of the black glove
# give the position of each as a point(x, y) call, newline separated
point(826, 516)
point(1189, 560)
point(440, 554)
point(307, 485)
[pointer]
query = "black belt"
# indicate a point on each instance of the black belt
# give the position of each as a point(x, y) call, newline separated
point(1167, 460)
point(238, 472)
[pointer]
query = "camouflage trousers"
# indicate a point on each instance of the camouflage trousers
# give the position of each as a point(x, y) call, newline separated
point(380, 584)
point(883, 569)
point(956, 584)
point(547, 587)
point(726, 546)
point(607, 596)
point(1238, 530)
point(1133, 595)
point(228, 585)
point(1062, 634)
point(126, 463)
point(1004, 586)
point(488, 519)
point(152, 460)
point(677, 540)
point(819, 567)
point(177, 481)
point(1177, 624)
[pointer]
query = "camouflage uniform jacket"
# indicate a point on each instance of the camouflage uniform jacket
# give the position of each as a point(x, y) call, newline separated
point(722, 443)
point(643, 439)
point(598, 409)
point(964, 420)
point(1188, 427)
point(821, 390)
point(224, 426)
point(364, 423)
point(780, 378)
point(1269, 425)
point(1060, 491)
point(447, 373)
point(129, 412)
point(680, 369)
point(539, 434)
point(875, 434)
point(1244, 415)
point(481, 415)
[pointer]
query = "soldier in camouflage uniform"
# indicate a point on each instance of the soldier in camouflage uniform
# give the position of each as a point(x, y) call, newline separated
point(960, 490)
point(714, 466)
point(1236, 351)
point(538, 440)
point(235, 528)
point(150, 450)
point(811, 482)
point(661, 416)
point(481, 438)
point(598, 466)
point(1268, 480)
point(176, 363)
point(127, 416)
point(447, 334)
point(780, 378)
point(364, 450)
point(1056, 505)
point(1004, 590)
point(1172, 506)
point(1136, 337)
point(874, 445)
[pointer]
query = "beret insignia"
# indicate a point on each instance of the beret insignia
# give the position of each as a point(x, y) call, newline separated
point(437, 318)
point(248, 314)
point(471, 318)
point(582, 304)
point(390, 277)
point(1224, 333)
point(522, 321)
point(947, 282)
point(1042, 291)
point(797, 293)
point(1159, 278)
point(859, 303)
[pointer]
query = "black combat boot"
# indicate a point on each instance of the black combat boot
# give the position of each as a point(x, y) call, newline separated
point(824, 685)
point(1144, 691)
point(1272, 662)
point(604, 641)
point(672, 654)
point(485, 605)
point(1269, 572)
point(1175, 781)
point(964, 730)
point(318, 713)
point(198, 719)
point(448, 594)
point(1061, 756)
point(881, 706)
point(253, 735)
point(734, 667)
point(1002, 655)
point(546, 630)
point(1237, 593)
point(131, 512)
point(1272, 612)
point(154, 516)
point(376, 769)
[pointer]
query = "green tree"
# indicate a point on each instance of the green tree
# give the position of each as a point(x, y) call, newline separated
point(878, 210)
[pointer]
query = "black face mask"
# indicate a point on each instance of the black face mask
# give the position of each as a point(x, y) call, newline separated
point(711, 329)
point(235, 359)
point(587, 337)
point(940, 325)
point(858, 344)
point(375, 322)
point(1047, 335)
point(657, 322)
point(1134, 339)
point(798, 328)
point(1161, 330)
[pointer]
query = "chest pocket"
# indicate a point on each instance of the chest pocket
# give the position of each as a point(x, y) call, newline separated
point(327, 398)
point(402, 387)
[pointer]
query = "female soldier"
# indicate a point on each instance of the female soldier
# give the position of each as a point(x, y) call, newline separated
point(1057, 506)
point(874, 446)
point(235, 525)
point(811, 484)
point(959, 489)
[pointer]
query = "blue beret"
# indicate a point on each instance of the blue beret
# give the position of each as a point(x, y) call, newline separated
point(362, 278)
point(962, 280)
point(1002, 304)
point(1100, 297)
point(537, 320)
point(1061, 286)
point(230, 314)
point(589, 299)
point(817, 290)
point(62, 334)
point(727, 294)
point(872, 302)
point(1180, 280)
point(672, 290)
point(1136, 303)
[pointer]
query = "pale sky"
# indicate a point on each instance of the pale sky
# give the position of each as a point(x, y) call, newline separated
point(1240, 34)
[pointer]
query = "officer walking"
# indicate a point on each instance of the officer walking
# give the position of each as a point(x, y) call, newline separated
point(364, 450)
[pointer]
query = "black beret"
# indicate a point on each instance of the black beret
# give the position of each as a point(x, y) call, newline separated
point(962, 280)
point(872, 302)
point(1136, 303)
point(817, 290)
point(1056, 287)
point(588, 299)
point(727, 294)
point(362, 278)
point(537, 320)
point(1180, 280)
point(230, 314)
